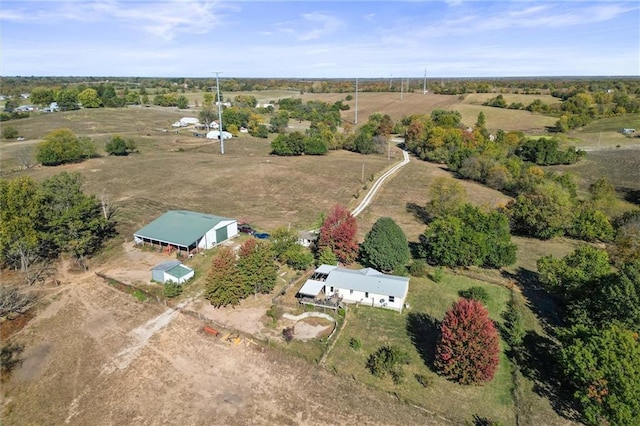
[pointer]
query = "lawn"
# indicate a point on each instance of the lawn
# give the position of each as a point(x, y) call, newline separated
point(429, 301)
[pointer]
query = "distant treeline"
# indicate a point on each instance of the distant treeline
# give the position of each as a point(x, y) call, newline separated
point(528, 85)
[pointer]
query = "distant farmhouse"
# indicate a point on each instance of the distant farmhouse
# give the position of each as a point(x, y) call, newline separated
point(187, 231)
point(186, 121)
point(330, 285)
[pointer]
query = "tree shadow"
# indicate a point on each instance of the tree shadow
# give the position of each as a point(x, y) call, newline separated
point(631, 195)
point(538, 361)
point(544, 305)
point(424, 332)
point(419, 212)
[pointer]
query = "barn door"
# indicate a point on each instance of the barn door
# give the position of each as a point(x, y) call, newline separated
point(221, 234)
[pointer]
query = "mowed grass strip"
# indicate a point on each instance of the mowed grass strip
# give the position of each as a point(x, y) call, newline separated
point(375, 327)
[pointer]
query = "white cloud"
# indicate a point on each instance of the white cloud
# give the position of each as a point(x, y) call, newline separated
point(313, 26)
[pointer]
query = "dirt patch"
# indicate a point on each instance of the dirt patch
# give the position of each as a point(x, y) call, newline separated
point(312, 328)
point(166, 368)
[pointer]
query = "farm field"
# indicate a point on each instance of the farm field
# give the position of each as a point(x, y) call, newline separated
point(171, 375)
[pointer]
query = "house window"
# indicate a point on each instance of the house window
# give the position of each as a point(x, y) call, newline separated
point(366, 294)
point(350, 291)
point(391, 299)
point(331, 289)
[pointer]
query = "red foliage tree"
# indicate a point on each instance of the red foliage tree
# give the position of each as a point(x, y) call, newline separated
point(468, 347)
point(338, 233)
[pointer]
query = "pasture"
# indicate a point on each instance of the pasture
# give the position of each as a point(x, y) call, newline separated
point(178, 171)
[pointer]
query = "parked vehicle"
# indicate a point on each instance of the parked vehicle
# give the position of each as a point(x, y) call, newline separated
point(246, 229)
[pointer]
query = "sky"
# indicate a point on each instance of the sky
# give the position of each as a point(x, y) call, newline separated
point(319, 39)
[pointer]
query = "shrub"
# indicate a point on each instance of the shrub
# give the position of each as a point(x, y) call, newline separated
point(139, 294)
point(274, 312)
point(475, 293)
point(388, 360)
point(355, 343)
point(10, 132)
point(424, 380)
point(171, 289)
point(418, 268)
point(342, 312)
point(10, 357)
point(437, 274)
point(288, 334)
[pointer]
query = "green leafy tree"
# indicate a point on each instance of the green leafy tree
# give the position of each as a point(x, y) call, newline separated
point(207, 114)
point(571, 275)
point(603, 366)
point(279, 122)
point(67, 99)
point(338, 233)
point(75, 221)
point(513, 328)
point(298, 257)
point(116, 146)
point(21, 227)
point(546, 211)
point(283, 239)
point(591, 225)
point(468, 346)
point(182, 102)
point(89, 98)
point(603, 194)
point(42, 96)
point(469, 237)
point(225, 284)
point(63, 146)
point(446, 195)
point(626, 245)
point(385, 247)
point(10, 132)
point(326, 256)
point(257, 266)
point(171, 289)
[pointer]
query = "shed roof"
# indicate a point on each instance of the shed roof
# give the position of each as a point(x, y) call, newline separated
point(179, 271)
point(165, 266)
point(368, 280)
point(180, 227)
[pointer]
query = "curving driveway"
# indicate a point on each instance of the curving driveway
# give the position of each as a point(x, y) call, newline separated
point(378, 183)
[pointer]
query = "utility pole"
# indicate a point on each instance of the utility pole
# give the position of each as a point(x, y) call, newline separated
point(401, 87)
point(217, 73)
point(424, 88)
point(356, 119)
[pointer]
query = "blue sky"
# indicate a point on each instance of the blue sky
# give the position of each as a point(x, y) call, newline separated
point(323, 39)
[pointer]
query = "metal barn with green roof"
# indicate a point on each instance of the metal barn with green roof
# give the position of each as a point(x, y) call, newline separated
point(187, 230)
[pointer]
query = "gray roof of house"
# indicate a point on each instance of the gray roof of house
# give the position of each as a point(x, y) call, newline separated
point(180, 227)
point(311, 288)
point(368, 280)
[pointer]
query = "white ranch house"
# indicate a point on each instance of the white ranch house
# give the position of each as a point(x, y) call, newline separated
point(330, 285)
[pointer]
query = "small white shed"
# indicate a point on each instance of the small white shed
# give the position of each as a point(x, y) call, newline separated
point(171, 270)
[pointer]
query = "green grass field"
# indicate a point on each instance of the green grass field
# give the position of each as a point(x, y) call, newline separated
point(429, 301)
